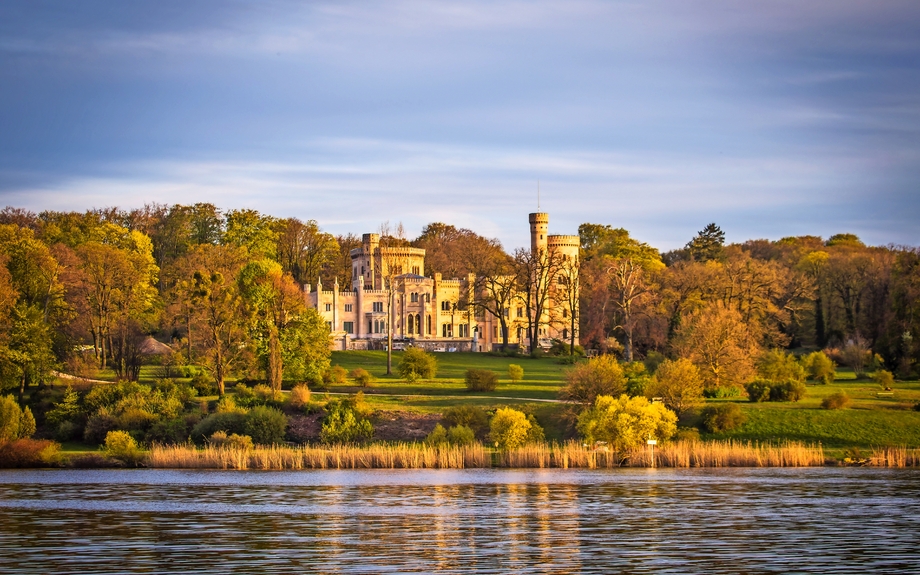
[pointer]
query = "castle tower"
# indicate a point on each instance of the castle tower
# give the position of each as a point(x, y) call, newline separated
point(539, 223)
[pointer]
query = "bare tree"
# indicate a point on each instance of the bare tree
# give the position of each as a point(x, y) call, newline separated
point(536, 271)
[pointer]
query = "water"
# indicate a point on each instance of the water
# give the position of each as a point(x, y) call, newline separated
point(813, 520)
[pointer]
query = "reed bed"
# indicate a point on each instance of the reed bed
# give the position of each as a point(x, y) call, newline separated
point(677, 454)
point(895, 457)
point(382, 456)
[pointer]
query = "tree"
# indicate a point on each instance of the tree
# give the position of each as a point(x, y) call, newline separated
point(537, 273)
point(497, 289)
point(679, 384)
point(626, 423)
point(253, 231)
point(304, 250)
point(15, 422)
point(720, 344)
point(819, 367)
point(630, 288)
point(777, 365)
point(416, 363)
point(707, 244)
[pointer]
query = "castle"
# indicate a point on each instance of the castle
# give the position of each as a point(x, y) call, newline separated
point(389, 285)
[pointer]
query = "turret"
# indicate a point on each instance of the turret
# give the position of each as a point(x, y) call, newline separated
point(539, 222)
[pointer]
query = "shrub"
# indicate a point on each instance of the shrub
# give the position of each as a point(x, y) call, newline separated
point(265, 425)
point(121, 446)
point(637, 378)
point(481, 380)
point(203, 383)
point(344, 423)
point(678, 384)
point(228, 422)
point(245, 395)
point(174, 430)
point(515, 372)
point(758, 390)
point(461, 435)
point(227, 404)
point(98, 426)
point(24, 452)
point(838, 400)
point(626, 422)
point(300, 396)
point(883, 378)
point(600, 375)
point(819, 367)
point(722, 417)
point(361, 376)
point(788, 391)
point(687, 434)
point(471, 416)
point(335, 374)
point(559, 348)
point(416, 363)
point(233, 441)
point(722, 391)
point(778, 366)
point(68, 409)
point(67, 430)
point(509, 428)
point(438, 436)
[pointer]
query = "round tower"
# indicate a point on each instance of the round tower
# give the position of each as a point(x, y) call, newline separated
point(539, 222)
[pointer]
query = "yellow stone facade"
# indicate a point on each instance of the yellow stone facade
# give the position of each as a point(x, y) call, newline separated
point(430, 312)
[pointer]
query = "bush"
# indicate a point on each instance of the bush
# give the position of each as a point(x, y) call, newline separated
point(509, 428)
point(233, 441)
point(626, 422)
point(778, 366)
point(883, 378)
point(203, 383)
point(174, 430)
point(335, 374)
point(121, 446)
point(760, 390)
point(788, 391)
point(819, 367)
point(228, 422)
point(438, 436)
point(416, 363)
point(600, 375)
point(559, 348)
point(98, 426)
point(481, 380)
point(515, 372)
point(687, 434)
point(227, 404)
point(300, 396)
point(837, 400)
point(265, 425)
point(723, 391)
point(67, 430)
point(722, 417)
point(245, 395)
point(344, 423)
point(471, 416)
point(24, 452)
point(461, 435)
point(637, 378)
point(361, 376)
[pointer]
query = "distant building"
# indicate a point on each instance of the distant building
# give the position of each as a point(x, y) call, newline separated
point(432, 312)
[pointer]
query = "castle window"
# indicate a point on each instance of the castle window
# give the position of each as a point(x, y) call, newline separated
point(414, 297)
point(565, 333)
point(328, 307)
point(378, 306)
point(349, 327)
point(565, 313)
point(349, 307)
point(445, 305)
point(416, 270)
point(520, 312)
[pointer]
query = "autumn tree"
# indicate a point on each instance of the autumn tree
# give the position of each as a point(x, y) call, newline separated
point(718, 341)
point(304, 250)
point(679, 384)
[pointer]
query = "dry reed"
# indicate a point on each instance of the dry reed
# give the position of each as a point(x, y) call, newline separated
point(895, 457)
point(567, 455)
point(382, 456)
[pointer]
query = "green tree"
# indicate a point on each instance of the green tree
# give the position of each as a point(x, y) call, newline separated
point(819, 367)
point(626, 423)
point(707, 244)
point(515, 372)
point(304, 250)
point(15, 422)
point(251, 230)
point(344, 423)
point(778, 365)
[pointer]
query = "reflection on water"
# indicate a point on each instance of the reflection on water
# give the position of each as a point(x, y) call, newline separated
point(477, 521)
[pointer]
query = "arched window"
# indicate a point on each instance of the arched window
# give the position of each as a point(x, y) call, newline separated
point(418, 323)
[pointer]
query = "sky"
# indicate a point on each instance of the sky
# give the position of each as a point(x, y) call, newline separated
point(769, 118)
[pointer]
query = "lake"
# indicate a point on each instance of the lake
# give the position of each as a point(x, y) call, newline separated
point(803, 520)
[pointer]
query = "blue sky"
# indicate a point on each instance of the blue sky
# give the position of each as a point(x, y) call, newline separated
point(769, 118)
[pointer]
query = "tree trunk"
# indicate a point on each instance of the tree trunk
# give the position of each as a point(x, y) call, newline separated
point(275, 368)
point(390, 332)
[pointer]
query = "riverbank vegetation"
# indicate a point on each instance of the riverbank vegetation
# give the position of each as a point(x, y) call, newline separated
point(176, 324)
